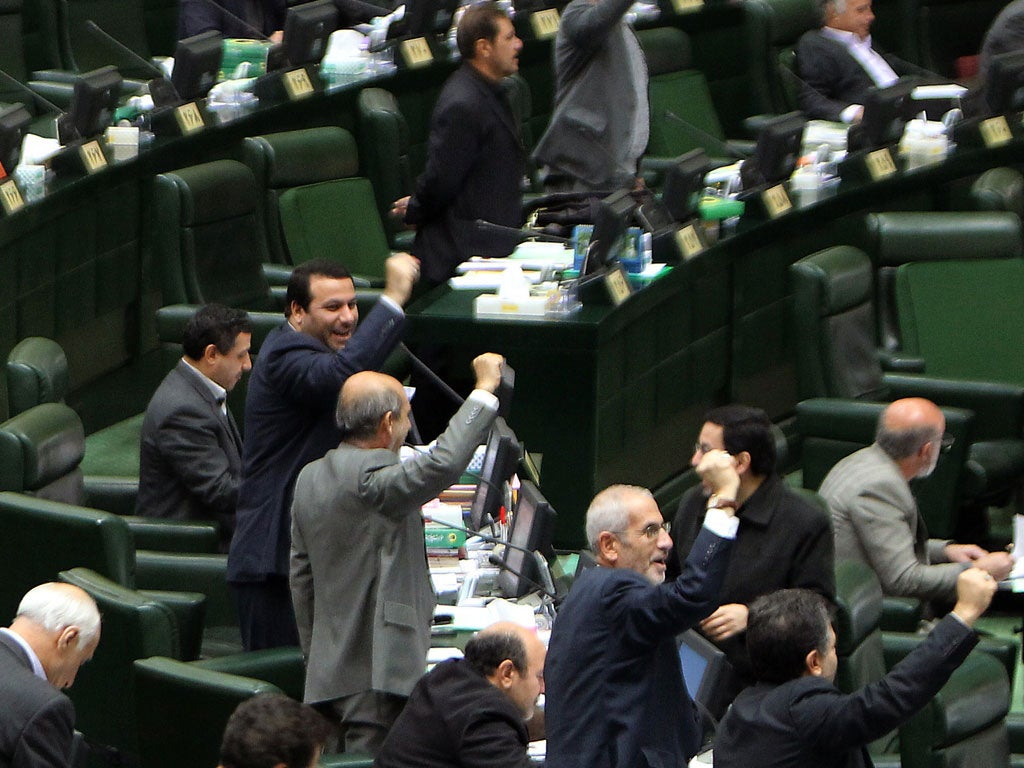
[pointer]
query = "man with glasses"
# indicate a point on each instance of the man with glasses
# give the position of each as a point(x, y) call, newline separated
point(875, 518)
point(784, 540)
point(615, 695)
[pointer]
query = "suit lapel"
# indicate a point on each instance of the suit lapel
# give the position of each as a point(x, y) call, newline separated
point(207, 397)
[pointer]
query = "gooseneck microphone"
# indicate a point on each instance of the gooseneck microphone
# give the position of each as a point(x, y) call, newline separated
point(700, 133)
point(50, 106)
point(101, 33)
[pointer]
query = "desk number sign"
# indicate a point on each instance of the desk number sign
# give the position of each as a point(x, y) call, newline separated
point(776, 201)
point(995, 131)
point(189, 118)
point(10, 197)
point(545, 23)
point(416, 52)
point(880, 164)
point(297, 84)
point(689, 242)
point(617, 285)
point(687, 6)
point(92, 157)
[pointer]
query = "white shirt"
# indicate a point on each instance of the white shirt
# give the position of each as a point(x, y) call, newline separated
point(878, 69)
point(219, 393)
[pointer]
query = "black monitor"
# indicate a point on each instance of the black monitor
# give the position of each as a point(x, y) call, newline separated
point(196, 64)
point(776, 153)
point(1004, 86)
point(886, 112)
point(533, 525)
point(93, 103)
point(705, 670)
point(611, 222)
point(307, 28)
point(14, 119)
point(501, 457)
point(684, 183)
point(424, 18)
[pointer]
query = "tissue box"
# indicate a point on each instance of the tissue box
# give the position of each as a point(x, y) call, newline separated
point(489, 305)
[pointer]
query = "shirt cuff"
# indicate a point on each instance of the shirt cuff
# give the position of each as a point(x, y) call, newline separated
point(960, 620)
point(485, 398)
point(849, 113)
point(391, 303)
point(721, 524)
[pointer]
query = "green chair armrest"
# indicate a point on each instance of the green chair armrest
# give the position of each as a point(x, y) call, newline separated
point(277, 274)
point(1015, 730)
point(111, 494)
point(346, 759)
point(998, 408)
point(1005, 651)
point(170, 323)
point(180, 536)
point(195, 572)
point(898, 362)
point(900, 614)
point(284, 667)
point(189, 610)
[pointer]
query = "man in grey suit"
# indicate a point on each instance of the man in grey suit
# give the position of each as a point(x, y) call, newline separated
point(600, 125)
point(359, 581)
point(191, 449)
point(56, 630)
point(875, 518)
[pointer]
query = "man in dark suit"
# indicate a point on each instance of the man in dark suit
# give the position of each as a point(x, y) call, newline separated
point(289, 422)
point(615, 691)
point(475, 159)
point(191, 449)
point(359, 578)
point(838, 65)
point(472, 712)
point(783, 539)
point(56, 630)
point(795, 717)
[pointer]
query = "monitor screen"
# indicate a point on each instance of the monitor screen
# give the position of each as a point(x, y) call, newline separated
point(306, 30)
point(776, 152)
point(196, 64)
point(94, 101)
point(533, 525)
point(704, 667)
point(501, 457)
point(1004, 89)
point(611, 221)
point(14, 119)
point(684, 182)
point(886, 111)
point(428, 17)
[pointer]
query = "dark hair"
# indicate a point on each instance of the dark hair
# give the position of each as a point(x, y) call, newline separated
point(269, 729)
point(486, 650)
point(358, 418)
point(479, 22)
point(298, 283)
point(214, 324)
point(747, 429)
point(902, 443)
point(782, 628)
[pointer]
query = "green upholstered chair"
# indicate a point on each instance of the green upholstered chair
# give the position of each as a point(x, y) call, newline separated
point(999, 189)
point(24, 48)
point(82, 50)
point(773, 29)
point(963, 725)
point(838, 357)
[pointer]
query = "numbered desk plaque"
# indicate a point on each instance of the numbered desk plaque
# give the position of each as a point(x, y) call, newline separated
point(416, 52)
point(297, 84)
point(10, 197)
point(776, 201)
point(189, 118)
point(92, 157)
point(545, 23)
point(689, 241)
point(995, 131)
point(617, 285)
point(687, 6)
point(879, 164)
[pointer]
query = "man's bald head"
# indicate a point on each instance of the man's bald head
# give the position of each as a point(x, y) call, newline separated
point(364, 404)
point(910, 432)
point(511, 657)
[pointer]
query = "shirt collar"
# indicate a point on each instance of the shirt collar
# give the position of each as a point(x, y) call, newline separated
point(758, 509)
point(218, 392)
point(37, 666)
point(845, 37)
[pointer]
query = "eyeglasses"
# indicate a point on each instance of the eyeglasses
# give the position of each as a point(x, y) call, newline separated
point(702, 448)
point(946, 442)
point(649, 531)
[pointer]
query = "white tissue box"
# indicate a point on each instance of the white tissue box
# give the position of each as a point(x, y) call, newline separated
point(489, 305)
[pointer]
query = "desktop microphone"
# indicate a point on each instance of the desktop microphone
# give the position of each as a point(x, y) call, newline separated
point(495, 560)
point(694, 130)
point(98, 31)
point(50, 106)
point(257, 32)
point(425, 369)
point(519, 235)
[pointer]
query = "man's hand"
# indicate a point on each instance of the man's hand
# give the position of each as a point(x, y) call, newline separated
point(974, 591)
point(963, 553)
point(996, 564)
point(399, 207)
point(718, 471)
point(487, 368)
point(725, 622)
point(401, 272)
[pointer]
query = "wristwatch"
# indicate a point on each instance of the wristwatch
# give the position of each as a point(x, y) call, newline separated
point(718, 502)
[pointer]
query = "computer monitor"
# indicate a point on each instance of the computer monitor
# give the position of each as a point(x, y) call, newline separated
point(307, 28)
point(93, 102)
point(684, 182)
point(611, 221)
point(776, 152)
point(428, 17)
point(14, 119)
point(705, 669)
point(886, 112)
point(501, 457)
point(196, 64)
point(1004, 88)
point(533, 525)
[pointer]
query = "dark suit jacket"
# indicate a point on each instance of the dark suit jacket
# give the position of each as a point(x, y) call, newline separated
point(455, 717)
point(359, 580)
point(614, 690)
point(809, 723)
point(832, 78)
point(783, 541)
point(197, 16)
point(190, 454)
point(289, 422)
point(475, 165)
point(36, 720)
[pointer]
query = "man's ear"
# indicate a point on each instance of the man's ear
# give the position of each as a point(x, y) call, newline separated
point(742, 462)
point(607, 546)
point(210, 353)
point(813, 663)
point(503, 674)
point(67, 637)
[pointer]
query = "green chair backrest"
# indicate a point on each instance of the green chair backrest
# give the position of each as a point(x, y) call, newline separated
point(40, 453)
point(999, 189)
point(83, 50)
point(773, 29)
point(335, 220)
point(384, 144)
point(12, 51)
point(37, 372)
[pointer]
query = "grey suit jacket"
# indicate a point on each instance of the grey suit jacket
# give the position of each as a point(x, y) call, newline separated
point(36, 720)
point(876, 522)
point(362, 594)
point(190, 454)
point(591, 128)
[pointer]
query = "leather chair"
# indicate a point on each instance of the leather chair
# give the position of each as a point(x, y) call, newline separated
point(838, 357)
point(773, 29)
point(82, 50)
point(999, 189)
point(963, 725)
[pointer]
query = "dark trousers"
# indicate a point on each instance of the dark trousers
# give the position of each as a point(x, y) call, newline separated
point(265, 614)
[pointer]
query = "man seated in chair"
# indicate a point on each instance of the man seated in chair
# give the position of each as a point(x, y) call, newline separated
point(795, 717)
point(875, 518)
point(273, 731)
point(191, 449)
point(783, 539)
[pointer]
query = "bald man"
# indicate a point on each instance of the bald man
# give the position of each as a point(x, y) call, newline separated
point(472, 712)
point(56, 630)
point(359, 581)
point(875, 517)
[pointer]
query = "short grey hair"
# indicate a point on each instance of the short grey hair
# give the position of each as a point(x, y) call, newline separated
point(609, 511)
point(903, 443)
point(57, 609)
point(358, 418)
point(823, 6)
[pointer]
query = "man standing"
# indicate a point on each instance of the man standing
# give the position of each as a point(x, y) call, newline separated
point(615, 692)
point(837, 64)
point(795, 717)
point(475, 160)
point(191, 449)
point(472, 712)
point(55, 631)
point(601, 122)
point(289, 422)
point(783, 540)
point(875, 517)
point(359, 578)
